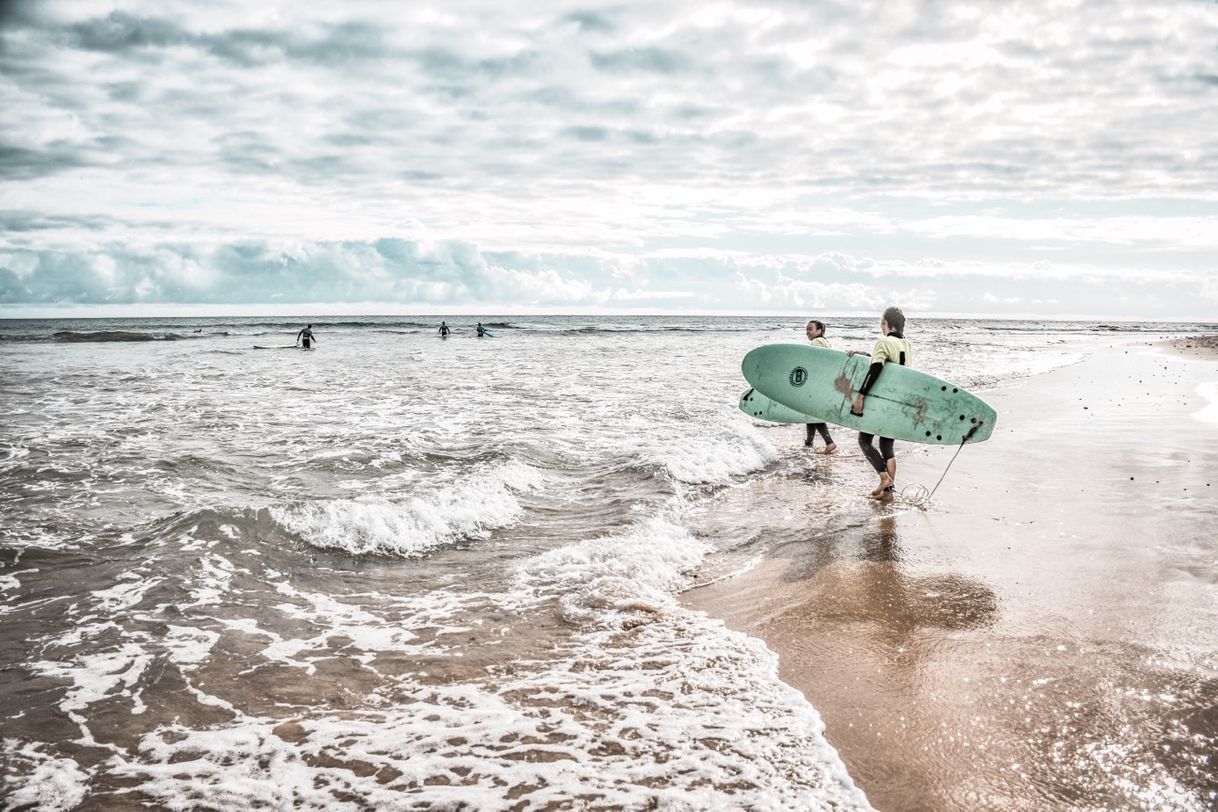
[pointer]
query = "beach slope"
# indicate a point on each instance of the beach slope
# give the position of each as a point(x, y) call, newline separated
point(1044, 634)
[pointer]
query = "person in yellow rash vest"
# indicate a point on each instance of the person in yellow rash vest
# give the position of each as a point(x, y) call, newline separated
point(816, 337)
point(892, 348)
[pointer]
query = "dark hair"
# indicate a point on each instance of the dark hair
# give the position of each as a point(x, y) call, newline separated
point(895, 319)
point(820, 325)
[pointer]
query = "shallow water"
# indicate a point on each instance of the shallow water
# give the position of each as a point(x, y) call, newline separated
point(398, 569)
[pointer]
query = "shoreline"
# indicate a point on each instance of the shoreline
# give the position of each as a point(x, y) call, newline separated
point(1203, 346)
point(1043, 634)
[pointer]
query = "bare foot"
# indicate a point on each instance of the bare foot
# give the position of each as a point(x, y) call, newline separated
point(831, 448)
point(886, 495)
point(885, 482)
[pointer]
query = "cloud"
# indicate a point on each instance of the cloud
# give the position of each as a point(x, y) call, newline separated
point(937, 139)
point(423, 275)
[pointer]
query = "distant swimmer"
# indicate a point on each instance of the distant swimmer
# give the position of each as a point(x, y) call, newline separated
point(481, 330)
point(816, 336)
point(444, 331)
point(306, 338)
point(892, 348)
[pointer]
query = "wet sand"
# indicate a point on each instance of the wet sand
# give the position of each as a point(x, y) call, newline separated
point(1196, 346)
point(1046, 634)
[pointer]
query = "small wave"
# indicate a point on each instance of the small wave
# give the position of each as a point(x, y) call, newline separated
point(644, 566)
point(738, 449)
point(376, 525)
point(114, 335)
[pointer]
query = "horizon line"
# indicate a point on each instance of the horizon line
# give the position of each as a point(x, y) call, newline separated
point(307, 311)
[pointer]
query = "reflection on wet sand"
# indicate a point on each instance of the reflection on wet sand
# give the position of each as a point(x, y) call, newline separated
point(873, 588)
point(932, 708)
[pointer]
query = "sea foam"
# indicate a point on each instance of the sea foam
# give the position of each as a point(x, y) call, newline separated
point(44, 782)
point(673, 710)
point(408, 527)
point(735, 448)
point(645, 565)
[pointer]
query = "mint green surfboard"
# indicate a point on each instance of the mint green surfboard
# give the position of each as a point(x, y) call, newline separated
point(757, 405)
point(904, 404)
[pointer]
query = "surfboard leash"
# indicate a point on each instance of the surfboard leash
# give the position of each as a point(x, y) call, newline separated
point(920, 499)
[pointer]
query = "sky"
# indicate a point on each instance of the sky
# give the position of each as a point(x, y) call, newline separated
point(1041, 158)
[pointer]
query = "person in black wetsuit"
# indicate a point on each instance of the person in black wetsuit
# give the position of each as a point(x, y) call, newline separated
point(892, 348)
point(481, 330)
point(816, 337)
point(306, 338)
point(444, 331)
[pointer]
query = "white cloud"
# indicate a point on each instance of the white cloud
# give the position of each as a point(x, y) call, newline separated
point(924, 140)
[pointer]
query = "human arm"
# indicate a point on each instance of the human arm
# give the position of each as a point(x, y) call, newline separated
point(872, 374)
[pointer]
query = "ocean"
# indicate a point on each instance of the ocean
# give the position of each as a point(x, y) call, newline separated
point(405, 572)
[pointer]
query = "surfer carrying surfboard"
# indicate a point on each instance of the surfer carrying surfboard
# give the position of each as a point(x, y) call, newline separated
point(893, 348)
point(816, 337)
point(305, 337)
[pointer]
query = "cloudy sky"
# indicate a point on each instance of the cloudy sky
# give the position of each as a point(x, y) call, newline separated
point(1049, 158)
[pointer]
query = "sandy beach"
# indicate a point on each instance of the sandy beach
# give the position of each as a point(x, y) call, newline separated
point(1044, 635)
point(1196, 346)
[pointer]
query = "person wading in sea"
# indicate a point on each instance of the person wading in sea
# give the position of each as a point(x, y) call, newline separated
point(816, 336)
point(305, 337)
point(892, 348)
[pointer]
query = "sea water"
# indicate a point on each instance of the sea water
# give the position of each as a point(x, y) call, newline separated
point(398, 570)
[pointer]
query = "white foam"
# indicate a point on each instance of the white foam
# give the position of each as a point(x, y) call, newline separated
point(124, 595)
point(1209, 413)
point(366, 631)
point(468, 508)
point(94, 677)
point(213, 578)
point(188, 646)
point(646, 564)
point(699, 721)
point(11, 581)
point(42, 781)
point(678, 711)
point(734, 449)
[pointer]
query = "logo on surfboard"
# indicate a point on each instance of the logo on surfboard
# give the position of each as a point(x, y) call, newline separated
point(798, 376)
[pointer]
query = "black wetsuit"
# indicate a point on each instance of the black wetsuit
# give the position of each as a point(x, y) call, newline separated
point(444, 331)
point(818, 428)
point(878, 459)
point(306, 337)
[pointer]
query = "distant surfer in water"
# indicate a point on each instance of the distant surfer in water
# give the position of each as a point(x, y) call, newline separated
point(481, 330)
point(444, 331)
point(305, 337)
point(816, 336)
point(892, 348)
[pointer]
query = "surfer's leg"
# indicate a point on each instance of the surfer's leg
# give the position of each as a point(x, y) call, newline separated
point(811, 433)
point(823, 429)
point(873, 457)
point(890, 466)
